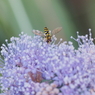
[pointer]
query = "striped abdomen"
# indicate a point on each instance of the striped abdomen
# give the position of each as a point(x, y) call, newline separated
point(47, 35)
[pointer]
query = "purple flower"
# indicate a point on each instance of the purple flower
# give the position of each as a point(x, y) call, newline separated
point(29, 61)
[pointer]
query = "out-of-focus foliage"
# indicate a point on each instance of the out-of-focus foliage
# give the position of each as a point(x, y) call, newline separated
point(24, 15)
point(82, 13)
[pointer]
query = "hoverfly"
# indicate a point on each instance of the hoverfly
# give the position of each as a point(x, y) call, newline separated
point(47, 34)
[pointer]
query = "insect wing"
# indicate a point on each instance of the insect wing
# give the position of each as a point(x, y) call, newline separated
point(56, 30)
point(37, 32)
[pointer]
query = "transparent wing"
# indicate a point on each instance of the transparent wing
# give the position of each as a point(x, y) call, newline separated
point(56, 30)
point(37, 32)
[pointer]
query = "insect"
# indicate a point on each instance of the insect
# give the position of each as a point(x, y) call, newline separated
point(47, 34)
point(37, 77)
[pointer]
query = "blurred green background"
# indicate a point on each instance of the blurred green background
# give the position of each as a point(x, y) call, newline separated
point(24, 15)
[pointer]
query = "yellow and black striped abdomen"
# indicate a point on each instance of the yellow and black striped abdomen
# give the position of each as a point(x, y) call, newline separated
point(47, 35)
point(46, 32)
point(46, 29)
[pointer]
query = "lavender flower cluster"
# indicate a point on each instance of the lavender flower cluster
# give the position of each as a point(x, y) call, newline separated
point(34, 67)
